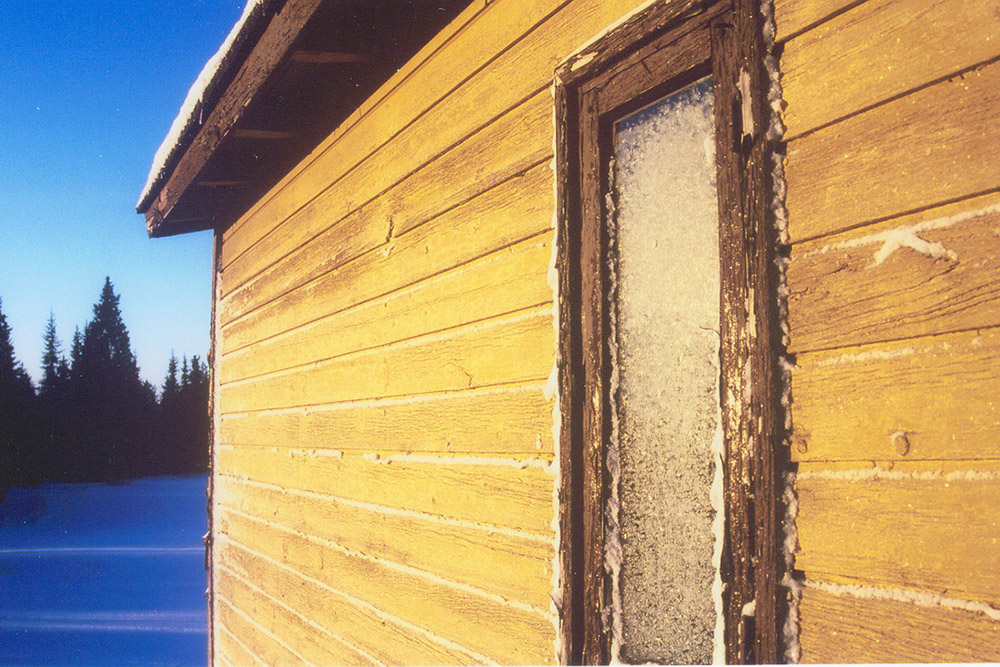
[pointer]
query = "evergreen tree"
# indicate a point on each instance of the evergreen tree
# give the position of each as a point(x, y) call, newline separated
point(55, 404)
point(184, 419)
point(18, 419)
point(170, 386)
point(116, 410)
point(197, 418)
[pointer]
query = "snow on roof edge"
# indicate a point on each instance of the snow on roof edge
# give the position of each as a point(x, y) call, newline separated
point(194, 97)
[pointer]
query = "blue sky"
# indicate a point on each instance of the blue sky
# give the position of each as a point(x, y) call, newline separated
point(88, 90)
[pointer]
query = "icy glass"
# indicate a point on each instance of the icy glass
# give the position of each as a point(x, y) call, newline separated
point(666, 264)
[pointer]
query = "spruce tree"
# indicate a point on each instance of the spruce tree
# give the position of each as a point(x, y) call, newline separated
point(116, 411)
point(18, 421)
point(55, 405)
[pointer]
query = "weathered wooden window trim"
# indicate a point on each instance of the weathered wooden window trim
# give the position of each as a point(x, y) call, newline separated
point(662, 49)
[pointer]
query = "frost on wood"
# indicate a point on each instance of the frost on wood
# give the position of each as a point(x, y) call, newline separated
point(775, 134)
point(666, 265)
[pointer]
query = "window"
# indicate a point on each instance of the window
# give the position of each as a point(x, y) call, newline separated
point(668, 342)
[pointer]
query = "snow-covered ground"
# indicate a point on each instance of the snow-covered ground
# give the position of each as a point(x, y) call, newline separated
point(104, 575)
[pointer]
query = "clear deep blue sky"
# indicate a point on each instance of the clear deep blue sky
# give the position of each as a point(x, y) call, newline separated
point(88, 90)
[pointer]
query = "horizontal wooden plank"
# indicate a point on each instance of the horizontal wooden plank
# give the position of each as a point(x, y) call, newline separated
point(502, 282)
point(918, 399)
point(516, 567)
point(838, 629)
point(319, 237)
point(228, 649)
point(515, 348)
point(417, 89)
point(318, 648)
point(923, 530)
point(935, 145)
point(501, 217)
point(485, 493)
point(258, 641)
point(499, 421)
point(377, 634)
point(502, 632)
point(903, 43)
point(928, 273)
point(794, 16)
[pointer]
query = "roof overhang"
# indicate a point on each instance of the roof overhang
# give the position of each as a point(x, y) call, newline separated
point(289, 73)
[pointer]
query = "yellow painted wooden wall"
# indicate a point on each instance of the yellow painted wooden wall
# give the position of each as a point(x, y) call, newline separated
point(893, 173)
point(384, 480)
point(384, 484)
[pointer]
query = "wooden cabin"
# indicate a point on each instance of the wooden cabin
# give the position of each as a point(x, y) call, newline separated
point(588, 330)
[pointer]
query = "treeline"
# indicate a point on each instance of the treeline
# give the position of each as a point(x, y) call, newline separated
point(92, 418)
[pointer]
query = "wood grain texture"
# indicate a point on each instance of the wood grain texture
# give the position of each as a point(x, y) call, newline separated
point(941, 394)
point(500, 421)
point(794, 16)
point(922, 530)
point(367, 207)
point(517, 567)
point(845, 629)
point(318, 648)
point(502, 282)
point(935, 145)
point(377, 634)
point(928, 273)
point(228, 649)
point(503, 216)
point(257, 640)
point(485, 625)
point(903, 43)
point(505, 496)
point(515, 348)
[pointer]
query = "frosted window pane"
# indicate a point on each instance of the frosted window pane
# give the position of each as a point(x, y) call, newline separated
point(667, 269)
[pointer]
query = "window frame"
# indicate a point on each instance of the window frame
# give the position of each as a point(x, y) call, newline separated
point(659, 50)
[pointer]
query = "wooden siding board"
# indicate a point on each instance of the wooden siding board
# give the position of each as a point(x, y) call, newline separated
point(502, 217)
point(384, 639)
point(505, 496)
point(838, 629)
point(942, 392)
point(935, 145)
point(500, 283)
point(904, 45)
point(509, 635)
point(516, 567)
point(501, 421)
point(230, 650)
point(927, 273)
point(256, 639)
point(516, 348)
point(365, 209)
point(794, 16)
point(315, 647)
point(927, 532)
